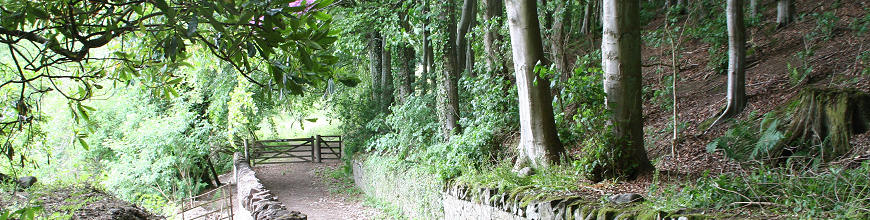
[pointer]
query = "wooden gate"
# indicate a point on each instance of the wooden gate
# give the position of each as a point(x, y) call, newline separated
point(215, 204)
point(312, 149)
point(332, 144)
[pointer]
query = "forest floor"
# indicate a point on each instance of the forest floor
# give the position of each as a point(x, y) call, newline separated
point(835, 60)
point(833, 63)
point(305, 187)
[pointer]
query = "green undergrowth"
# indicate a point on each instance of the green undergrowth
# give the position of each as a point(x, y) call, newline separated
point(832, 192)
point(545, 184)
point(388, 210)
point(338, 181)
point(413, 188)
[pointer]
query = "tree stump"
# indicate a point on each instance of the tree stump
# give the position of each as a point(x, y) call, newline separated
point(823, 121)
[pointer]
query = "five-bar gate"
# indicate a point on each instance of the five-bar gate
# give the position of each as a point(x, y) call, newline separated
point(312, 149)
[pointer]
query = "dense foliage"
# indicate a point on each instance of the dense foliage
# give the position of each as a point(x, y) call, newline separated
point(149, 99)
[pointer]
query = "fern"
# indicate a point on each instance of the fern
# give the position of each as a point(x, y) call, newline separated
point(742, 143)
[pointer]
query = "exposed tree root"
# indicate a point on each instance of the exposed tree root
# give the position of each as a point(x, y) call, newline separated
point(823, 121)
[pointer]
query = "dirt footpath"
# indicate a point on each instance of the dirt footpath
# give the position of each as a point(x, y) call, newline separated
point(297, 186)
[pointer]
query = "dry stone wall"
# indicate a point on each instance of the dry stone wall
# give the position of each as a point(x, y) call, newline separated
point(413, 191)
point(255, 198)
point(462, 202)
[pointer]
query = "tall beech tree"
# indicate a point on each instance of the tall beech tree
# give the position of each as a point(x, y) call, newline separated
point(558, 41)
point(753, 8)
point(462, 46)
point(387, 96)
point(588, 14)
point(784, 12)
point(621, 62)
point(406, 71)
point(736, 94)
point(539, 141)
point(494, 10)
point(428, 58)
point(450, 75)
point(375, 47)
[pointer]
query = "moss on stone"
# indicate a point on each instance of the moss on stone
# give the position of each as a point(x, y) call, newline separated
point(607, 213)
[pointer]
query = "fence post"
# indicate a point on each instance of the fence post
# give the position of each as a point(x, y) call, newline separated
point(317, 155)
point(313, 146)
point(247, 155)
point(182, 209)
point(340, 147)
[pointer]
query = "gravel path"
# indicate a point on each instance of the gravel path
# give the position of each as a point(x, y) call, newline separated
point(300, 189)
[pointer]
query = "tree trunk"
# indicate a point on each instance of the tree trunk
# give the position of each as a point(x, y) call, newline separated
point(427, 53)
point(539, 140)
point(587, 14)
point(494, 9)
point(428, 64)
point(217, 180)
point(450, 77)
point(784, 12)
point(560, 56)
point(406, 71)
point(621, 62)
point(387, 78)
point(753, 8)
point(469, 60)
point(375, 49)
point(736, 96)
point(464, 25)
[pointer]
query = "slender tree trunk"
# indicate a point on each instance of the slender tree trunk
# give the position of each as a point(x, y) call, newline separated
point(375, 49)
point(494, 9)
point(621, 62)
point(784, 12)
point(427, 52)
point(558, 50)
point(217, 180)
point(736, 96)
point(753, 8)
point(587, 15)
point(387, 78)
point(406, 71)
point(428, 62)
point(469, 60)
point(450, 79)
point(464, 25)
point(539, 140)
point(422, 81)
point(558, 44)
point(469, 47)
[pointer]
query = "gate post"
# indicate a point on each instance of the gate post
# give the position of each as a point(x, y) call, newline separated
point(247, 155)
point(316, 152)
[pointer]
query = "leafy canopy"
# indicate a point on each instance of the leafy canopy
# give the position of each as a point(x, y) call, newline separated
point(73, 47)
